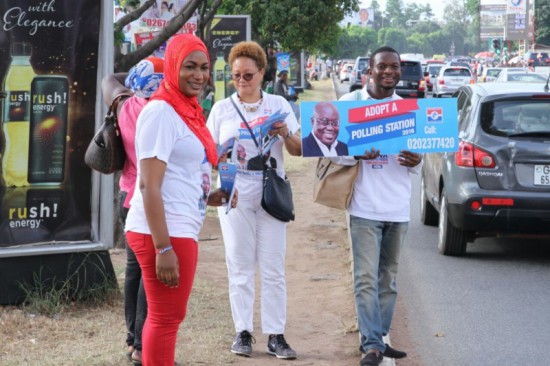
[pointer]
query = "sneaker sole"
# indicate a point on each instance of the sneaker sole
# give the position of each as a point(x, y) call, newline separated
point(241, 354)
point(281, 357)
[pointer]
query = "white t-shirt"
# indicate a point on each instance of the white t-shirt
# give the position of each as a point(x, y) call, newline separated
point(224, 122)
point(161, 133)
point(382, 191)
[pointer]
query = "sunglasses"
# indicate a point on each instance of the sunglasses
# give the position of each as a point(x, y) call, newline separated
point(247, 76)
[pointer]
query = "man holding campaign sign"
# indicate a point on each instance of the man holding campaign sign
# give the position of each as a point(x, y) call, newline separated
point(379, 209)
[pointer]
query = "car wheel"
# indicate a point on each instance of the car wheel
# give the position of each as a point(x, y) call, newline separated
point(428, 214)
point(452, 241)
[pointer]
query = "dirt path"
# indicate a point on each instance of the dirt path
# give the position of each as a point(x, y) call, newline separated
point(321, 315)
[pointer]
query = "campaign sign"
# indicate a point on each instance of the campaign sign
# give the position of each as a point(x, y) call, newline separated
point(349, 128)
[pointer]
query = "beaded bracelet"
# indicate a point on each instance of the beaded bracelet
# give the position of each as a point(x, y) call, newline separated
point(163, 250)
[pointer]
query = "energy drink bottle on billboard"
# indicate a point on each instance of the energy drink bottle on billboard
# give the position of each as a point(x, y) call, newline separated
point(219, 77)
point(48, 129)
point(17, 86)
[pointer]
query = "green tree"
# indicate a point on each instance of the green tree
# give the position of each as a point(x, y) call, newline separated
point(542, 22)
point(395, 39)
point(457, 20)
point(294, 25)
point(394, 14)
point(355, 41)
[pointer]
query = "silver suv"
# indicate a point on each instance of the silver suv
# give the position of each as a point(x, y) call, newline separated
point(355, 76)
point(449, 79)
point(498, 182)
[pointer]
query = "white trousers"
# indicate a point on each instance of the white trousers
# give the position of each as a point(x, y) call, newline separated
point(254, 238)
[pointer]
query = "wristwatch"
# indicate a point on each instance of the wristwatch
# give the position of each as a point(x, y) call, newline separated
point(289, 135)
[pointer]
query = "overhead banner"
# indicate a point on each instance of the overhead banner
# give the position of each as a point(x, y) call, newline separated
point(48, 68)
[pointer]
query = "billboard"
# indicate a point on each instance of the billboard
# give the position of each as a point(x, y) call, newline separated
point(48, 70)
point(225, 31)
point(505, 19)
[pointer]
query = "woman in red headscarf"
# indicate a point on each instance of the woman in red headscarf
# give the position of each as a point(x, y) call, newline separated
point(174, 150)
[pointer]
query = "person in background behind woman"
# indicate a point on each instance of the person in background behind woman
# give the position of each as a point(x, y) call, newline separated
point(174, 149)
point(282, 89)
point(251, 236)
point(142, 80)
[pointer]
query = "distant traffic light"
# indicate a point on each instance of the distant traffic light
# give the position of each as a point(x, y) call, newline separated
point(496, 45)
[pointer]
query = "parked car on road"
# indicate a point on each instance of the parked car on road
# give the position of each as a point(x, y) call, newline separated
point(450, 78)
point(355, 76)
point(521, 76)
point(431, 72)
point(489, 74)
point(345, 72)
point(411, 84)
point(498, 182)
point(536, 58)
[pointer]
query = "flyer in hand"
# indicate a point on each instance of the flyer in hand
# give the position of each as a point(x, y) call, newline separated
point(228, 147)
point(228, 174)
point(267, 140)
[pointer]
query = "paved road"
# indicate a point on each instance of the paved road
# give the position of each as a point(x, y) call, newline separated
point(487, 308)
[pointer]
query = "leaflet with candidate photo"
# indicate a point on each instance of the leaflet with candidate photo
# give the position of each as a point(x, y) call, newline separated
point(228, 175)
point(228, 147)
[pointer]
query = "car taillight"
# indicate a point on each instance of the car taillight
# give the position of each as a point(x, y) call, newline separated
point(472, 81)
point(441, 81)
point(469, 155)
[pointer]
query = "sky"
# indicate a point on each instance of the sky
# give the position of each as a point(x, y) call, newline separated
point(437, 6)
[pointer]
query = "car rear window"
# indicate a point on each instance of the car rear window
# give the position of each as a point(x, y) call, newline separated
point(528, 78)
point(362, 64)
point(434, 70)
point(456, 72)
point(513, 117)
point(411, 69)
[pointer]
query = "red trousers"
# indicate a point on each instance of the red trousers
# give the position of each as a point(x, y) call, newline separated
point(166, 306)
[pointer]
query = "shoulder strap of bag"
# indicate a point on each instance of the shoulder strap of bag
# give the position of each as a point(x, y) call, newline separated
point(114, 104)
point(244, 120)
point(358, 94)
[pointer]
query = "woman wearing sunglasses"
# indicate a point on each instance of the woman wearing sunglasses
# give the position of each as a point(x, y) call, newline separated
point(252, 237)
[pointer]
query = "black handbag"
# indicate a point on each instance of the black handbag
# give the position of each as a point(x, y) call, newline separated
point(105, 153)
point(277, 195)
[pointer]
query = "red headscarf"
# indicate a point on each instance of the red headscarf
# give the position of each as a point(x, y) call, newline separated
point(188, 108)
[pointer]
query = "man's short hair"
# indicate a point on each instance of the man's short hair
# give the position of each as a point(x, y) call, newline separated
point(380, 50)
